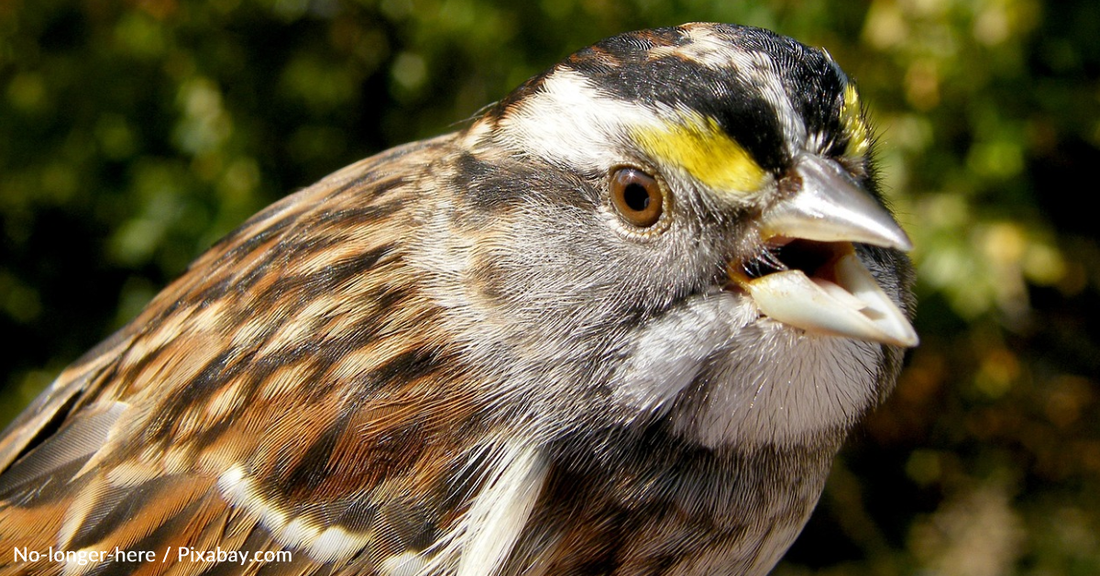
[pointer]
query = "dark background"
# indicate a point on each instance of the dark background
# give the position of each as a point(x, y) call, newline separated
point(134, 134)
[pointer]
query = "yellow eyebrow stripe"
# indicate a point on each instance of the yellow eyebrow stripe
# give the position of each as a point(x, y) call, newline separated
point(855, 128)
point(700, 147)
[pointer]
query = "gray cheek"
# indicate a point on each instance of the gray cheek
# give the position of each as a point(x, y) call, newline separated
point(669, 352)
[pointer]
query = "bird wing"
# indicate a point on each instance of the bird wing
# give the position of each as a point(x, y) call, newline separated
point(291, 391)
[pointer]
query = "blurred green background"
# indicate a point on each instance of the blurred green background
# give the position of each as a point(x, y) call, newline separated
point(134, 134)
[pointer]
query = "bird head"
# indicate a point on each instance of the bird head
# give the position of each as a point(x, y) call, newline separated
point(688, 218)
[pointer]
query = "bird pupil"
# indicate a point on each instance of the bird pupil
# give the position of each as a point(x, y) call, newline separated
point(636, 197)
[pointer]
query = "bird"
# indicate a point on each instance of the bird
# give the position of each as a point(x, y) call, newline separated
point(618, 323)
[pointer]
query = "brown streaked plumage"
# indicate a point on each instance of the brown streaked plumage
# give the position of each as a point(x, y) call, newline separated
point(462, 357)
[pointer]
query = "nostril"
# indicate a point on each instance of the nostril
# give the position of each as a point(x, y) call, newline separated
point(790, 184)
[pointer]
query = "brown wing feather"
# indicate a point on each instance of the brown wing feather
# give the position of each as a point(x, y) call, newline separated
point(288, 384)
point(53, 405)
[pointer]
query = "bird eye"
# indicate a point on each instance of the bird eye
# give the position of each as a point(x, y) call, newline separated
point(636, 196)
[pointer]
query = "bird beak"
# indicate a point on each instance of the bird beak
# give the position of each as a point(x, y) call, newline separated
point(832, 292)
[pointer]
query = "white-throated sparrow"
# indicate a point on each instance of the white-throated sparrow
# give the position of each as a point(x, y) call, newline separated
point(619, 324)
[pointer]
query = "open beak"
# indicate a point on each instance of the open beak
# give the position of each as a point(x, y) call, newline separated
point(831, 291)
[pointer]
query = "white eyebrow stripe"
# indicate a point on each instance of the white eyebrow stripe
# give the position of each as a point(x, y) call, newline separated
point(572, 121)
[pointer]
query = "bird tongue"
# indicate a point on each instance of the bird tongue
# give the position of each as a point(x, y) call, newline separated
point(828, 211)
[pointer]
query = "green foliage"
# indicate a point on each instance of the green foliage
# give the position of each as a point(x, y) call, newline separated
point(133, 134)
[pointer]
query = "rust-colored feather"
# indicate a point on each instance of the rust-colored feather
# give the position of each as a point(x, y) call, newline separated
point(296, 351)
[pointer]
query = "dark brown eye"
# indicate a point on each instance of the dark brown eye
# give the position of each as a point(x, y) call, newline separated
point(636, 196)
